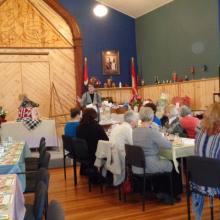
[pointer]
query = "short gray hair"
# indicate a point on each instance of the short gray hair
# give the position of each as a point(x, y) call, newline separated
point(172, 110)
point(130, 116)
point(184, 111)
point(146, 114)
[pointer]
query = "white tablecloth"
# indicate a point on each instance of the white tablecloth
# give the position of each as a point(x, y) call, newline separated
point(184, 149)
point(19, 132)
point(12, 207)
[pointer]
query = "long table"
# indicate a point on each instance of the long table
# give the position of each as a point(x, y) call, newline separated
point(11, 198)
point(105, 149)
point(185, 148)
point(12, 159)
point(19, 132)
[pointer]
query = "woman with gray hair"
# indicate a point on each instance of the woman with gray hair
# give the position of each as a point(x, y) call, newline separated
point(151, 141)
point(188, 122)
point(173, 126)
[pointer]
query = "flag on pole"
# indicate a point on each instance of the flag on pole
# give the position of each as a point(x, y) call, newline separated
point(85, 72)
point(133, 78)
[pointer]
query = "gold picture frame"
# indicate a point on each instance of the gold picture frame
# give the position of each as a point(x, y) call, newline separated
point(110, 62)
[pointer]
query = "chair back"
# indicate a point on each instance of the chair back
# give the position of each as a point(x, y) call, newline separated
point(67, 143)
point(135, 156)
point(203, 171)
point(42, 146)
point(43, 176)
point(45, 160)
point(80, 149)
point(39, 201)
point(55, 211)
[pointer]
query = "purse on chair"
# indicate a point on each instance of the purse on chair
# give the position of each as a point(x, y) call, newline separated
point(127, 184)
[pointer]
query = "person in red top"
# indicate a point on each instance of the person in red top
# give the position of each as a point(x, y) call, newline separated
point(188, 122)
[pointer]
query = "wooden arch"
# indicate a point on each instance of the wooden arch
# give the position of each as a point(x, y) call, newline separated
point(77, 39)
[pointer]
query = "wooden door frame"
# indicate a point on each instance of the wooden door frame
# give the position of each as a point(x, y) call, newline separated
point(77, 42)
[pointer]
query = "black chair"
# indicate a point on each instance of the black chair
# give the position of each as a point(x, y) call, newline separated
point(68, 152)
point(55, 211)
point(135, 157)
point(36, 210)
point(77, 150)
point(45, 160)
point(32, 163)
point(34, 177)
point(203, 172)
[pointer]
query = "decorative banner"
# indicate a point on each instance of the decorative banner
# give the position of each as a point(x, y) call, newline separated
point(85, 72)
point(133, 78)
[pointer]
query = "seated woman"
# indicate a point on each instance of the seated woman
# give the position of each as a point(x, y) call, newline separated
point(151, 105)
point(207, 144)
point(70, 127)
point(173, 126)
point(188, 122)
point(151, 140)
point(90, 130)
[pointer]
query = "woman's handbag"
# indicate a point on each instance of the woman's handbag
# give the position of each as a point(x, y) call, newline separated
point(127, 184)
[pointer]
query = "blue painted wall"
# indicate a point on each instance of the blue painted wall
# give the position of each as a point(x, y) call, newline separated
point(116, 31)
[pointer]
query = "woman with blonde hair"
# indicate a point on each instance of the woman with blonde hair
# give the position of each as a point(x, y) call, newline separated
point(207, 145)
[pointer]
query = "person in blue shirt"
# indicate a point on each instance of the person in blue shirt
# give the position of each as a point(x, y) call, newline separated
point(156, 120)
point(71, 126)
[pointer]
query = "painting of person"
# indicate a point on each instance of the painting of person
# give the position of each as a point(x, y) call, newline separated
point(108, 64)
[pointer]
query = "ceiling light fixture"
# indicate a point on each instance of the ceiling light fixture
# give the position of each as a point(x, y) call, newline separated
point(100, 10)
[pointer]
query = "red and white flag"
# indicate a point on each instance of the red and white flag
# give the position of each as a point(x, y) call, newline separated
point(85, 72)
point(133, 78)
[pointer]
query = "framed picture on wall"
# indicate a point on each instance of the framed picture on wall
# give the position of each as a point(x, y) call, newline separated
point(110, 62)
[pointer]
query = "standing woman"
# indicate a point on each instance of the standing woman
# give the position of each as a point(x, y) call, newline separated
point(207, 145)
point(90, 97)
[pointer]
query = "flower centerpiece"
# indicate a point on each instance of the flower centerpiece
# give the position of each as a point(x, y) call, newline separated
point(136, 102)
point(3, 114)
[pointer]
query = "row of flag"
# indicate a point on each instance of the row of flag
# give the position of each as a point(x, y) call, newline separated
point(133, 75)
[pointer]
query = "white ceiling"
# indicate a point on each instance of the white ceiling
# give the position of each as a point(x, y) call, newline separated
point(134, 8)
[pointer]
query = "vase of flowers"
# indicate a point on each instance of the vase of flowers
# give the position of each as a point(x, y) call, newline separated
point(3, 114)
point(136, 102)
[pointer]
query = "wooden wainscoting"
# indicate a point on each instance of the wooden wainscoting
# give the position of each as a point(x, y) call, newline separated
point(119, 95)
point(200, 92)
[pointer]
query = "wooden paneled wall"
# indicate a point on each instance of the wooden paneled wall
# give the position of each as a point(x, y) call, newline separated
point(119, 95)
point(200, 92)
point(33, 73)
point(36, 52)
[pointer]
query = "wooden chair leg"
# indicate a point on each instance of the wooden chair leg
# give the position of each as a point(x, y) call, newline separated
point(46, 206)
point(74, 172)
point(90, 184)
point(143, 196)
point(211, 208)
point(119, 192)
point(64, 166)
point(188, 203)
point(171, 187)
point(124, 197)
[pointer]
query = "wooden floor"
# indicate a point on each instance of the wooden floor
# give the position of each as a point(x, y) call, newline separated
point(80, 204)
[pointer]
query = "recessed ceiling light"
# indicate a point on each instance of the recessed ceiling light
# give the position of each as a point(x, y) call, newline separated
point(100, 10)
